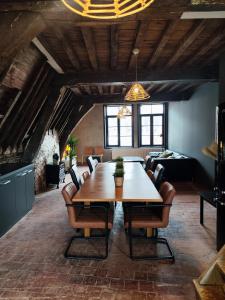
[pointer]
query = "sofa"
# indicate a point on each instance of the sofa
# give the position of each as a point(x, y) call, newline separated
point(178, 167)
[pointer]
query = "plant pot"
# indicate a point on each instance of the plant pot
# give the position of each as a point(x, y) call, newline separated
point(118, 181)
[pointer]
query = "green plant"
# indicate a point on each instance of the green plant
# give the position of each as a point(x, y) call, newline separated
point(118, 158)
point(119, 165)
point(72, 143)
point(119, 173)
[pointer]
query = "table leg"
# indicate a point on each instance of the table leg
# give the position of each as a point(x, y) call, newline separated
point(149, 232)
point(201, 210)
point(87, 232)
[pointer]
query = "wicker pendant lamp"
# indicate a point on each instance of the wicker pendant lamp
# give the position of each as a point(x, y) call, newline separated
point(123, 112)
point(136, 91)
point(110, 9)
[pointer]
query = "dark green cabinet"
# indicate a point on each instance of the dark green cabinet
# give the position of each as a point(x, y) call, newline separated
point(16, 196)
point(7, 204)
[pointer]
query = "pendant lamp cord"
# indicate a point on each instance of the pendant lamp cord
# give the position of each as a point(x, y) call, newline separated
point(136, 66)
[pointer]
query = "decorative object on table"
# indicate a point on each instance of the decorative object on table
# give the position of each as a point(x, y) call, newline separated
point(102, 9)
point(118, 158)
point(55, 157)
point(71, 151)
point(119, 165)
point(136, 91)
point(119, 177)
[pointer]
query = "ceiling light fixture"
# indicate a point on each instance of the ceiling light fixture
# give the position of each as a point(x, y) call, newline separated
point(113, 9)
point(123, 112)
point(136, 91)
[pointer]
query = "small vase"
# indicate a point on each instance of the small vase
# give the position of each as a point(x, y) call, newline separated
point(118, 181)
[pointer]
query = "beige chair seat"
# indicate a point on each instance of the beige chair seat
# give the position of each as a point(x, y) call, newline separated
point(93, 218)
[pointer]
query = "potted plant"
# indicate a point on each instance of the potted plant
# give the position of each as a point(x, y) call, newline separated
point(119, 177)
point(119, 165)
point(71, 149)
point(118, 158)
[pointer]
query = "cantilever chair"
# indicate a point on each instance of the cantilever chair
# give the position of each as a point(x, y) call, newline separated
point(152, 216)
point(85, 175)
point(81, 217)
point(76, 177)
point(157, 176)
point(91, 163)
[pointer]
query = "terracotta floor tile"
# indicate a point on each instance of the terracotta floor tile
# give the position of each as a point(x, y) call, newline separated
point(32, 265)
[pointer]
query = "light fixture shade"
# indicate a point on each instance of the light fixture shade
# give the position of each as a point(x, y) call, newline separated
point(136, 93)
point(123, 112)
point(101, 9)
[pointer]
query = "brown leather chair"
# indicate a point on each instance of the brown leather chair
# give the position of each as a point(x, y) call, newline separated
point(85, 175)
point(157, 176)
point(155, 215)
point(81, 217)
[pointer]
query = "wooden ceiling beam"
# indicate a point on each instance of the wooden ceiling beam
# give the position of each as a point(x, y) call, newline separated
point(89, 41)
point(207, 46)
point(18, 107)
point(122, 78)
point(16, 31)
point(166, 34)
point(58, 111)
point(139, 39)
point(189, 38)
point(114, 37)
point(75, 117)
point(63, 38)
point(116, 98)
point(34, 143)
point(29, 117)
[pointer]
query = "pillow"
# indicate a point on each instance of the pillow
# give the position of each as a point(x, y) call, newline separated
point(166, 154)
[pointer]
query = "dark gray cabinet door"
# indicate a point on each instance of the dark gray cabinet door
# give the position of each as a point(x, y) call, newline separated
point(7, 204)
point(21, 193)
point(30, 188)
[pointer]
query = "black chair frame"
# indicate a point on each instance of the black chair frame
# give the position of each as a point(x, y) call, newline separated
point(154, 239)
point(106, 235)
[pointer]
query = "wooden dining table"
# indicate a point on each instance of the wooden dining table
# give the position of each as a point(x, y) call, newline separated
point(100, 186)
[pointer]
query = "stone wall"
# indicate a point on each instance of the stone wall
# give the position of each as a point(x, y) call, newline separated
point(50, 145)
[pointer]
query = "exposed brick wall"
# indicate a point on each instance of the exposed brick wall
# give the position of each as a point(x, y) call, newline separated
point(50, 145)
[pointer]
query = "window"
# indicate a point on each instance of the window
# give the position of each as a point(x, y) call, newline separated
point(151, 126)
point(118, 132)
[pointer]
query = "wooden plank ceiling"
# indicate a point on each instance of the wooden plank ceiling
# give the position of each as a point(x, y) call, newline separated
point(176, 56)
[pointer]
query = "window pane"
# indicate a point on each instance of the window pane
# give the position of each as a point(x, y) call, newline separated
point(112, 141)
point(126, 141)
point(145, 121)
point(157, 130)
point(146, 130)
point(125, 131)
point(112, 110)
point(127, 121)
point(112, 122)
point(157, 120)
point(157, 140)
point(157, 109)
point(145, 140)
point(146, 109)
point(112, 131)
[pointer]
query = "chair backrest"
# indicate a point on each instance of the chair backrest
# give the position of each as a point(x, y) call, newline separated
point(91, 163)
point(68, 191)
point(85, 175)
point(98, 150)
point(158, 175)
point(167, 191)
point(148, 164)
point(76, 177)
point(88, 150)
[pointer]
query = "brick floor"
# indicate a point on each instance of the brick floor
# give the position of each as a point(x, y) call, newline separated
point(32, 265)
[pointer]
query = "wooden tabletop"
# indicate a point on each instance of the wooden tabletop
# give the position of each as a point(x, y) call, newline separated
point(100, 185)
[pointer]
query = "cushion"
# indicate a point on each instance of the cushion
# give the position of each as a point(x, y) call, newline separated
point(166, 154)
